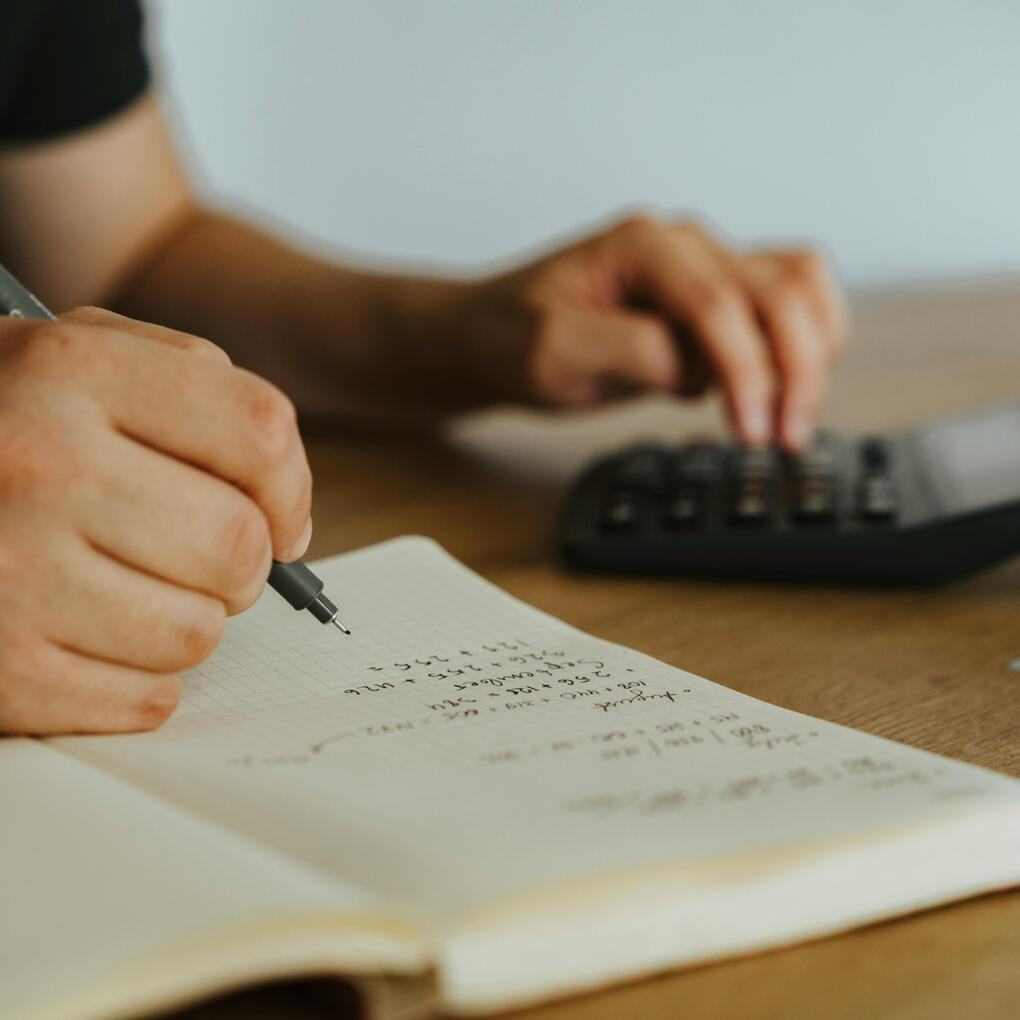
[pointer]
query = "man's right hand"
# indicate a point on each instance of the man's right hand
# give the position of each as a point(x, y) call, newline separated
point(145, 485)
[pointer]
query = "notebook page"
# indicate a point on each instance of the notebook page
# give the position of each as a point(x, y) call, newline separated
point(101, 881)
point(461, 746)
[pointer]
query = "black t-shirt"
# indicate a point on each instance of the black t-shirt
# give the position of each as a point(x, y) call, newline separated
point(66, 64)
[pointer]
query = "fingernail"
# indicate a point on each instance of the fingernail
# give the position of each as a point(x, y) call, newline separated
point(302, 543)
point(756, 424)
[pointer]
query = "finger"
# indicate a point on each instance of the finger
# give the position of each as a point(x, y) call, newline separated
point(585, 355)
point(143, 513)
point(677, 270)
point(86, 315)
point(52, 690)
point(812, 274)
point(223, 419)
point(109, 611)
point(799, 345)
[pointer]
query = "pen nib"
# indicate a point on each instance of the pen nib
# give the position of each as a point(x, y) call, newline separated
point(339, 626)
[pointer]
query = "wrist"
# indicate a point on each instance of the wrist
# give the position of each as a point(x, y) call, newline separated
point(453, 342)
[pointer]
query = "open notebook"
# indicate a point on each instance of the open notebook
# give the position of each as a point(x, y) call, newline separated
point(466, 788)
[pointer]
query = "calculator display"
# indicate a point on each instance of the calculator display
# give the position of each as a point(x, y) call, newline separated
point(974, 461)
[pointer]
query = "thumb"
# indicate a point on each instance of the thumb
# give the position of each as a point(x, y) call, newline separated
point(585, 355)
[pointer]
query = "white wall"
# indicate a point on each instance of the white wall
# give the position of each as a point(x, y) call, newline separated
point(467, 130)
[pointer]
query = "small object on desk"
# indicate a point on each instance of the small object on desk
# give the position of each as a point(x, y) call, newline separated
point(303, 590)
point(294, 581)
point(925, 505)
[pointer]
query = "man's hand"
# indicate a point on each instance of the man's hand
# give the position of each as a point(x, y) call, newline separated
point(646, 304)
point(656, 305)
point(145, 485)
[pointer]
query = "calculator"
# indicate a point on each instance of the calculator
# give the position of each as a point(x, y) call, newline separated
point(924, 505)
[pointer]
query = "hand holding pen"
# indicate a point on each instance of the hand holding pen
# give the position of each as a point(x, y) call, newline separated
point(147, 486)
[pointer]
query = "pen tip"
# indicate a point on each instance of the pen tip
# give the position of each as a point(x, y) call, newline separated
point(340, 626)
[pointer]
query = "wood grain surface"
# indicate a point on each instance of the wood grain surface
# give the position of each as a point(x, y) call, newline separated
point(928, 668)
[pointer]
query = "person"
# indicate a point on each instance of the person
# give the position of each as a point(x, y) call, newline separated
point(150, 461)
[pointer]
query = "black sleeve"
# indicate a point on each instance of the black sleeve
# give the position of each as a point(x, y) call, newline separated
point(78, 62)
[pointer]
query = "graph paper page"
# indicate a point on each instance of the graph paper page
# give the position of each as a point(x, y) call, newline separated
point(462, 746)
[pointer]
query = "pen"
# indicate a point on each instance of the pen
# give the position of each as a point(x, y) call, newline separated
point(294, 581)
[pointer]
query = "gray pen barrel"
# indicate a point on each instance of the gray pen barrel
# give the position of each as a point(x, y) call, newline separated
point(302, 589)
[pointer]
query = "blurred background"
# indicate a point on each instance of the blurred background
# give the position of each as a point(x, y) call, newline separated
point(461, 132)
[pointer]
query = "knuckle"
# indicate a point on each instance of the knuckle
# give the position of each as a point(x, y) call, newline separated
point(199, 635)
point(270, 418)
point(639, 226)
point(206, 349)
point(87, 315)
point(784, 296)
point(716, 304)
point(805, 266)
point(247, 546)
point(50, 347)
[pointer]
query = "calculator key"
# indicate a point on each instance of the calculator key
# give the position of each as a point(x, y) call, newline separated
point(815, 500)
point(750, 503)
point(817, 461)
point(684, 508)
point(698, 463)
point(753, 461)
point(621, 512)
point(643, 469)
point(874, 455)
point(878, 498)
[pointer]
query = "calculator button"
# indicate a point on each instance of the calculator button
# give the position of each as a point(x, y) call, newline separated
point(684, 508)
point(753, 461)
point(878, 498)
point(874, 455)
point(818, 460)
point(621, 512)
point(643, 469)
point(698, 463)
point(750, 503)
point(815, 500)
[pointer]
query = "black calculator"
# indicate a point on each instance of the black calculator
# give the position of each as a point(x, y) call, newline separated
point(921, 506)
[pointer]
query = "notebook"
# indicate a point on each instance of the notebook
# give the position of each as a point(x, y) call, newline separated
point(467, 796)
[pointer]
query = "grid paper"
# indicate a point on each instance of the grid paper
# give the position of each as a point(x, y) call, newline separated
point(461, 745)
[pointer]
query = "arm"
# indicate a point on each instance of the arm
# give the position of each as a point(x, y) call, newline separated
point(107, 217)
point(644, 305)
point(116, 438)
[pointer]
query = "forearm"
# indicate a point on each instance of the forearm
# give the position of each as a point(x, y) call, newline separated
point(343, 343)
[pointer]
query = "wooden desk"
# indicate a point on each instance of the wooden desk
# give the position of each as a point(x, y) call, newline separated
point(928, 668)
